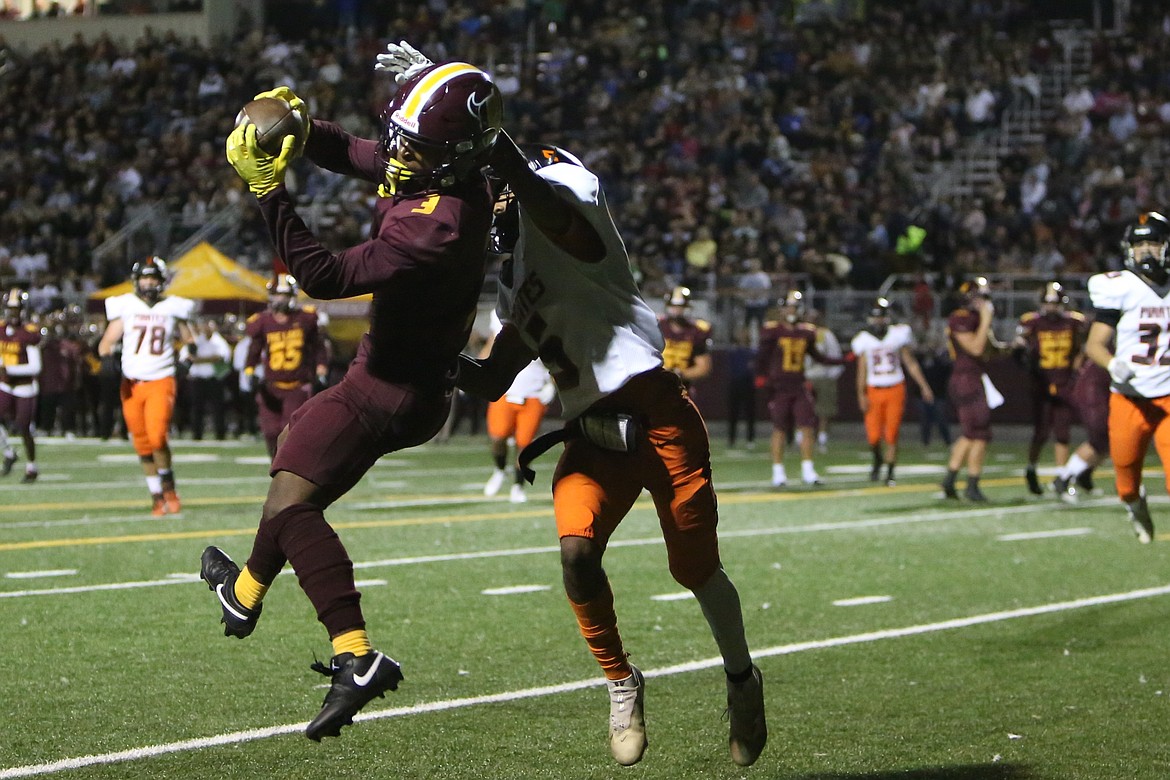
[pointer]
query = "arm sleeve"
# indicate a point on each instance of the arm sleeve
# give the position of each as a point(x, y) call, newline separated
point(333, 149)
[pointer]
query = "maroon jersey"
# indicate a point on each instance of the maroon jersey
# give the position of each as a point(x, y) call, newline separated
point(291, 349)
point(1052, 342)
point(424, 263)
point(967, 367)
point(14, 343)
point(685, 340)
point(783, 347)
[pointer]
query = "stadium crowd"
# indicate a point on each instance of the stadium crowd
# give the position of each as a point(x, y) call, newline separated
point(726, 134)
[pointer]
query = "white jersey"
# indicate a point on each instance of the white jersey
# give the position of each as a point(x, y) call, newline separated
point(148, 336)
point(1143, 332)
point(531, 379)
point(883, 357)
point(587, 321)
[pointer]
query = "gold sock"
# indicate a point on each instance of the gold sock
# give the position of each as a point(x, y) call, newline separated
point(356, 641)
point(249, 590)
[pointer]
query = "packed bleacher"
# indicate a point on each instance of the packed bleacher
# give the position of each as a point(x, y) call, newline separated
point(731, 138)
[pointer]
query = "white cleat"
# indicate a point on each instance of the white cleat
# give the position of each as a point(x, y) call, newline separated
point(627, 724)
point(517, 495)
point(495, 482)
point(745, 711)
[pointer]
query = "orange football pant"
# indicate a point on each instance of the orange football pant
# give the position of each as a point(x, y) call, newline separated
point(505, 419)
point(593, 489)
point(147, 407)
point(1133, 422)
point(884, 418)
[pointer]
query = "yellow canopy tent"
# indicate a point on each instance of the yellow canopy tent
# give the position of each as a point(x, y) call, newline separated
point(206, 274)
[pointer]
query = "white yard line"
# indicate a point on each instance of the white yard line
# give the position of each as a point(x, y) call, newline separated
point(250, 735)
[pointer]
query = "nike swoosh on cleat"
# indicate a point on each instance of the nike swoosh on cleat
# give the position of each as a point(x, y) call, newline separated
point(362, 680)
point(226, 605)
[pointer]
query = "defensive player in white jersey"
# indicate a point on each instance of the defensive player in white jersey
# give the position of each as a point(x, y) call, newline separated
point(147, 325)
point(885, 355)
point(516, 415)
point(567, 294)
point(1133, 307)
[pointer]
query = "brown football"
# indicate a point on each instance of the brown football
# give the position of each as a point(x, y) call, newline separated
point(274, 119)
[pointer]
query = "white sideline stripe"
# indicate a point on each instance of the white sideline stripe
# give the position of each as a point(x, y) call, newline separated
point(1044, 534)
point(862, 601)
point(512, 590)
point(878, 522)
point(681, 596)
point(32, 575)
point(250, 735)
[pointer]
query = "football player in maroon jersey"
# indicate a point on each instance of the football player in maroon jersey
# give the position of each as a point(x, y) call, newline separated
point(971, 342)
point(780, 369)
point(285, 341)
point(424, 262)
point(1048, 342)
point(688, 340)
point(20, 365)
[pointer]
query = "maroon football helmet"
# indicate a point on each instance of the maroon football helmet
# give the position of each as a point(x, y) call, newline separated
point(452, 114)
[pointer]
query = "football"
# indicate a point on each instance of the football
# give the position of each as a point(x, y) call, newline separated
point(274, 119)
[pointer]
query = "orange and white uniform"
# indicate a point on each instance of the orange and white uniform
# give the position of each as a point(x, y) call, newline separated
point(600, 340)
point(519, 411)
point(1139, 409)
point(148, 364)
point(885, 380)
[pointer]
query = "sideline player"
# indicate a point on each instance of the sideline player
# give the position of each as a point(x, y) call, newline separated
point(286, 341)
point(567, 295)
point(885, 355)
point(688, 341)
point(424, 262)
point(1048, 342)
point(20, 365)
point(147, 323)
point(516, 414)
point(971, 342)
point(1133, 307)
point(780, 363)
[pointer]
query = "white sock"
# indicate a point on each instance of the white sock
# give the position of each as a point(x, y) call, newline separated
point(823, 437)
point(154, 485)
point(1076, 464)
point(808, 470)
point(798, 437)
point(778, 474)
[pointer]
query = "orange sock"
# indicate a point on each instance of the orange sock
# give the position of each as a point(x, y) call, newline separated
point(598, 624)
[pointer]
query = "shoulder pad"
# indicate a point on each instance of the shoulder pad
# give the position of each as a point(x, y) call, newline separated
point(1028, 316)
point(1076, 315)
point(254, 318)
point(703, 325)
point(28, 326)
point(771, 323)
point(309, 309)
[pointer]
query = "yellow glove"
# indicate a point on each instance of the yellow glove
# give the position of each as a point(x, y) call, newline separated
point(294, 102)
point(261, 171)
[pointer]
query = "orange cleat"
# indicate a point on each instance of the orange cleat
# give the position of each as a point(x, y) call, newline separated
point(171, 499)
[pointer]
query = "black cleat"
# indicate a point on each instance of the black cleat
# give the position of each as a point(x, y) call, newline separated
point(875, 473)
point(948, 489)
point(1085, 481)
point(973, 493)
point(357, 680)
point(1065, 490)
point(220, 573)
point(29, 477)
point(1139, 517)
point(6, 469)
point(1033, 482)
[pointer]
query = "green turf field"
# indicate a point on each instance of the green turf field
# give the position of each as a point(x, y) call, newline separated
point(901, 636)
